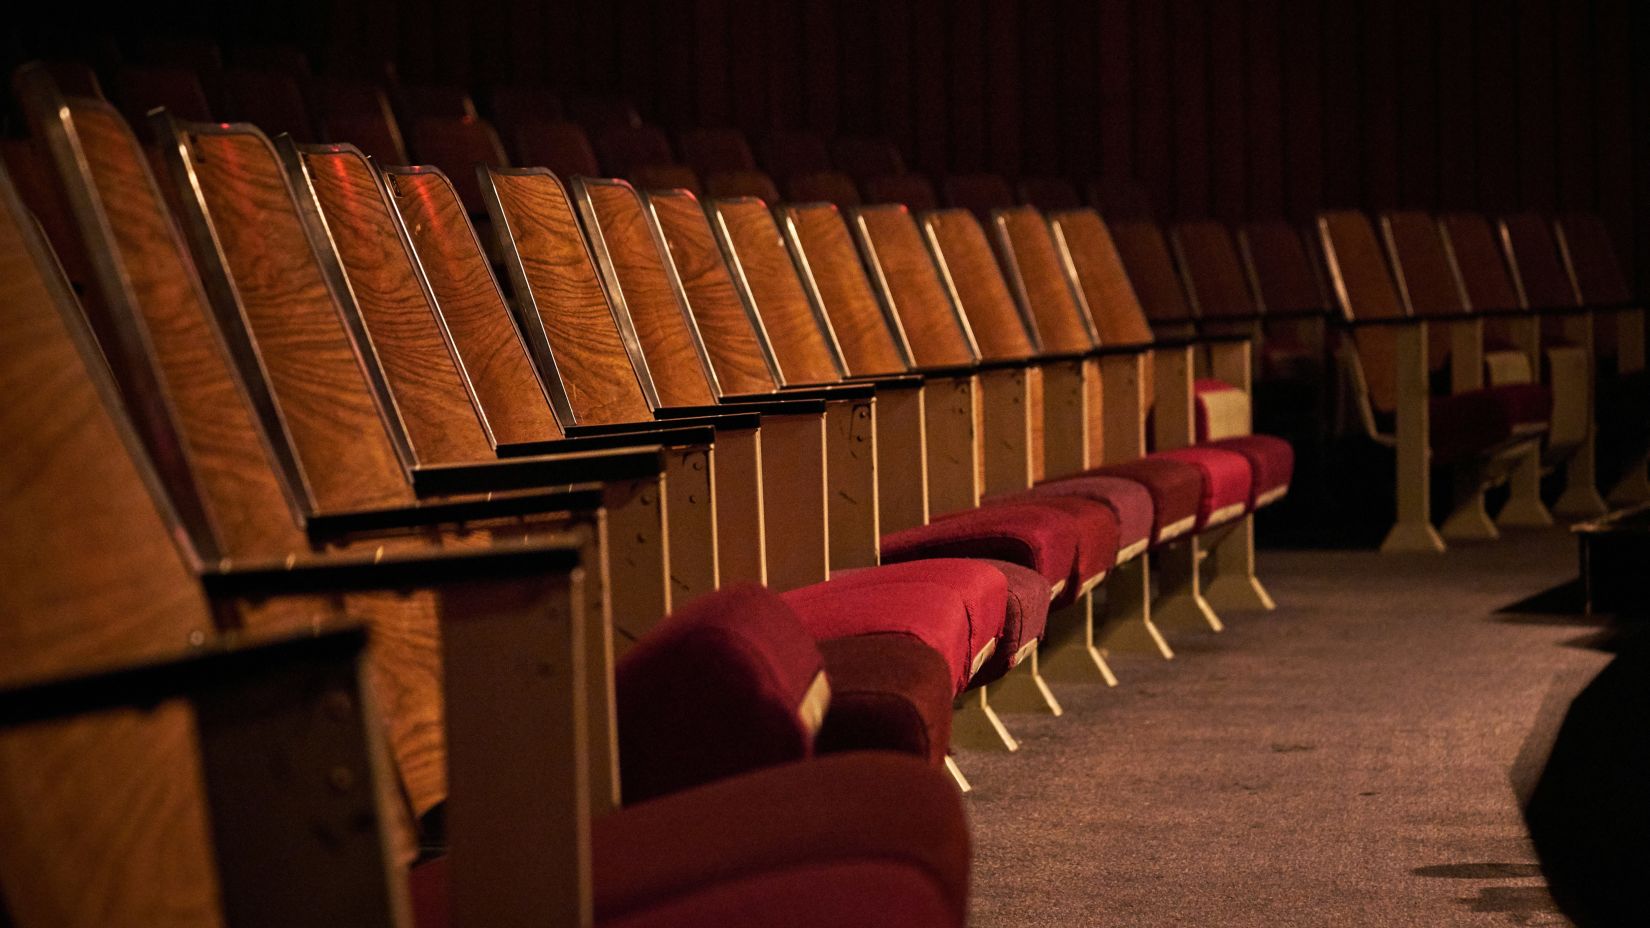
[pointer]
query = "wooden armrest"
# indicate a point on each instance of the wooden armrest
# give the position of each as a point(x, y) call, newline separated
point(331, 525)
point(549, 470)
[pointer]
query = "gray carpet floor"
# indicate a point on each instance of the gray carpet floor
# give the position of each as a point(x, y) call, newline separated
point(1349, 759)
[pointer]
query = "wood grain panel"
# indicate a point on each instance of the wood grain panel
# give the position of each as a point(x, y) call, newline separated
point(639, 272)
point(749, 235)
point(1479, 259)
point(1424, 275)
point(1026, 241)
point(977, 286)
point(92, 577)
point(494, 358)
point(819, 235)
point(1213, 272)
point(406, 334)
point(1104, 282)
point(730, 340)
point(1145, 255)
point(911, 286)
point(577, 321)
point(290, 315)
point(1366, 283)
point(1533, 253)
point(246, 505)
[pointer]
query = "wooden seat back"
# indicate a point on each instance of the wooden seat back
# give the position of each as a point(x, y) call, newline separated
point(1537, 265)
point(1213, 273)
point(490, 350)
point(456, 144)
point(1427, 278)
point(1103, 283)
point(836, 282)
point(1365, 289)
point(1590, 257)
point(1282, 270)
point(904, 273)
point(1151, 270)
point(629, 255)
point(734, 352)
point(358, 113)
point(976, 285)
point(1485, 277)
point(578, 343)
point(1039, 279)
point(799, 341)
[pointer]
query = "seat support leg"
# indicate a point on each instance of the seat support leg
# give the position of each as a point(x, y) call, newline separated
point(1069, 654)
point(1023, 688)
point(975, 725)
point(1129, 626)
point(963, 786)
point(1180, 601)
point(1524, 507)
point(1469, 520)
point(1235, 584)
point(1412, 529)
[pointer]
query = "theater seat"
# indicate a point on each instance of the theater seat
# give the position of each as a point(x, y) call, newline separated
point(1129, 501)
point(1227, 483)
point(736, 660)
point(923, 610)
point(1024, 621)
point(1271, 465)
point(1097, 534)
point(1470, 424)
point(889, 692)
point(860, 840)
point(1174, 487)
point(1040, 539)
point(982, 588)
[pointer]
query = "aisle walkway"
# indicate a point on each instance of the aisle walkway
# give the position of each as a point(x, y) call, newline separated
point(1344, 761)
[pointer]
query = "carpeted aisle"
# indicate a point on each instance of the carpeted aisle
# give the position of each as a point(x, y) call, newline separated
point(1345, 760)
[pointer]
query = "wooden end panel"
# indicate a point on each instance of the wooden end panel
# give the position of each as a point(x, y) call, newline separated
point(1426, 277)
point(1365, 288)
point(224, 449)
point(1026, 241)
point(799, 343)
point(396, 313)
point(730, 340)
point(1097, 267)
point(644, 287)
point(911, 285)
point(572, 308)
point(844, 293)
point(977, 284)
point(491, 352)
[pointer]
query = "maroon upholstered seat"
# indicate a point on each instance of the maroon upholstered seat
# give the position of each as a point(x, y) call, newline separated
point(735, 663)
point(1129, 500)
point(982, 587)
point(927, 611)
point(866, 839)
point(1174, 487)
point(1271, 464)
point(1025, 620)
point(1096, 525)
point(1039, 539)
point(1227, 483)
point(1465, 425)
point(889, 692)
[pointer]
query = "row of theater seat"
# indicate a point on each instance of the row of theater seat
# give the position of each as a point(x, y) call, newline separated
point(329, 387)
point(921, 432)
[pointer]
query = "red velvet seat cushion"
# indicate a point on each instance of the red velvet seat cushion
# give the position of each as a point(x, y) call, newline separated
point(1174, 486)
point(1039, 538)
point(1129, 501)
point(889, 692)
point(1096, 525)
point(776, 847)
point(714, 690)
point(1226, 482)
point(1465, 425)
point(1025, 621)
point(928, 612)
point(982, 588)
point(1271, 462)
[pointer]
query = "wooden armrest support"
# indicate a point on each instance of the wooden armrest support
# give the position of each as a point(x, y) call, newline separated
point(331, 525)
point(549, 470)
point(776, 404)
point(890, 381)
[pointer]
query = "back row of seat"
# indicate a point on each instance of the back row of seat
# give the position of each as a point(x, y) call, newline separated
point(915, 435)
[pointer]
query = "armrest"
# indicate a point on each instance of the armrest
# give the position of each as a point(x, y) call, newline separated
point(143, 684)
point(1108, 351)
point(582, 444)
point(890, 381)
point(1002, 364)
point(331, 525)
point(354, 573)
point(639, 460)
point(746, 410)
point(692, 430)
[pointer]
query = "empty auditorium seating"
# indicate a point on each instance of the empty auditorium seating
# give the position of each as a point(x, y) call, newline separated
point(242, 725)
point(456, 144)
point(1479, 433)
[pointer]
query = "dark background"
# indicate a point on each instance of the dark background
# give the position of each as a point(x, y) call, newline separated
point(1221, 107)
